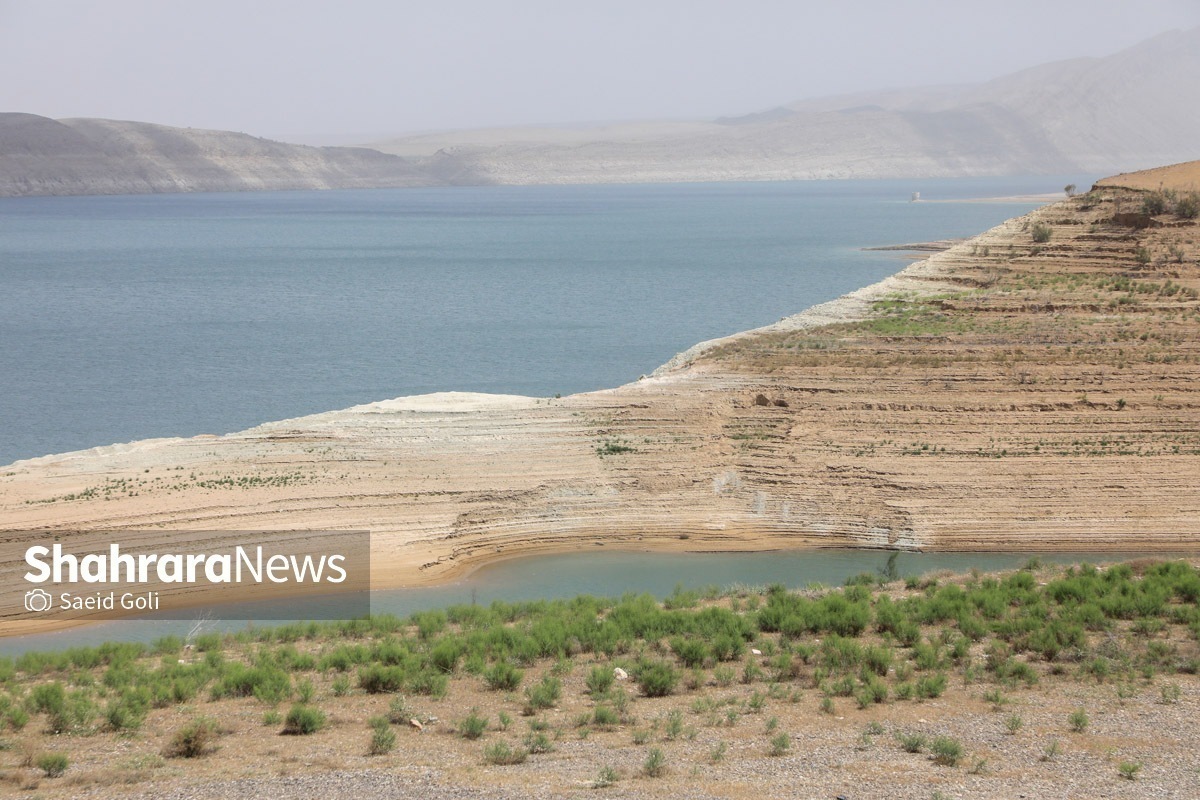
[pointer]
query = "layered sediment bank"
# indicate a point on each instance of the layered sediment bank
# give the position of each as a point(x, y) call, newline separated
point(1033, 388)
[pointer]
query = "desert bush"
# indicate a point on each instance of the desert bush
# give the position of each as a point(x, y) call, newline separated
point(931, 685)
point(607, 777)
point(538, 743)
point(1154, 204)
point(599, 680)
point(605, 717)
point(655, 764)
point(196, 738)
point(503, 677)
point(946, 751)
point(657, 678)
point(1129, 770)
point(429, 682)
point(303, 720)
point(1041, 232)
point(52, 764)
point(383, 738)
point(1188, 206)
point(472, 726)
point(544, 694)
point(692, 652)
point(502, 754)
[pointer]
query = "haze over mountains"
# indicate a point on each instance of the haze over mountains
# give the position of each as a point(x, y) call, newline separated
point(1134, 109)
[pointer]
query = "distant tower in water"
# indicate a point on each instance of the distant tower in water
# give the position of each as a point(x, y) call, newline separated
point(916, 196)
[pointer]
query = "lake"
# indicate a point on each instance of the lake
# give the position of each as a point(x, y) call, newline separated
point(131, 317)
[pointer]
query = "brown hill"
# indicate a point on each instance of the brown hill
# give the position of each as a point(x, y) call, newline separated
point(1177, 178)
point(40, 156)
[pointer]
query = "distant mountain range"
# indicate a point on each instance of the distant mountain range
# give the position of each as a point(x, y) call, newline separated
point(1137, 108)
point(40, 156)
point(1134, 109)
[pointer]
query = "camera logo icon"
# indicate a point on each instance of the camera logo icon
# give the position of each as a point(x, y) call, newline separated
point(38, 600)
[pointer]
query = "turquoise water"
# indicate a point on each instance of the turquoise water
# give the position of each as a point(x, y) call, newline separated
point(603, 574)
point(130, 317)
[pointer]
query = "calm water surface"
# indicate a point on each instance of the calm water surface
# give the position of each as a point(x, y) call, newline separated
point(170, 315)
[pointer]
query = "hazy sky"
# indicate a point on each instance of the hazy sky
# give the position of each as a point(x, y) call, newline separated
point(274, 68)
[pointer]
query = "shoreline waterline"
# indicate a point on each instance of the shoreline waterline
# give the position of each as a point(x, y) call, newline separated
point(602, 574)
point(464, 573)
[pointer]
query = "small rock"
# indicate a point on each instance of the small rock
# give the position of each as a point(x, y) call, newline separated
point(620, 674)
point(756, 651)
point(416, 724)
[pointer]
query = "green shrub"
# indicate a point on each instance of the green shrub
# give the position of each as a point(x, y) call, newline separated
point(780, 744)
point(445, 655)
point(303, 720)
point(378, 679)
point(503, 677)
point(873, 690)
point(657, 678)
point(544, 694)
point(911, 742)
point(538, 743)
point(1041, 232)
point(16, 717)
point(77, 712)
point(655, 764)
point(305, 691)
point(383, 738)
point(196, 738)
point(503, 754)
point(126, 713)
point(1188, 206)
point(599, 680)
point(931, 685)
point(52, 764)
point(1128, 769)
point(398, 712)
point(1078, 720)
point(692, 652)
point(607, 777)
point(946, 751)
point(472, 726)
point(268, 683)
point(430, 682)
point(47, 698)
point(605, 717)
